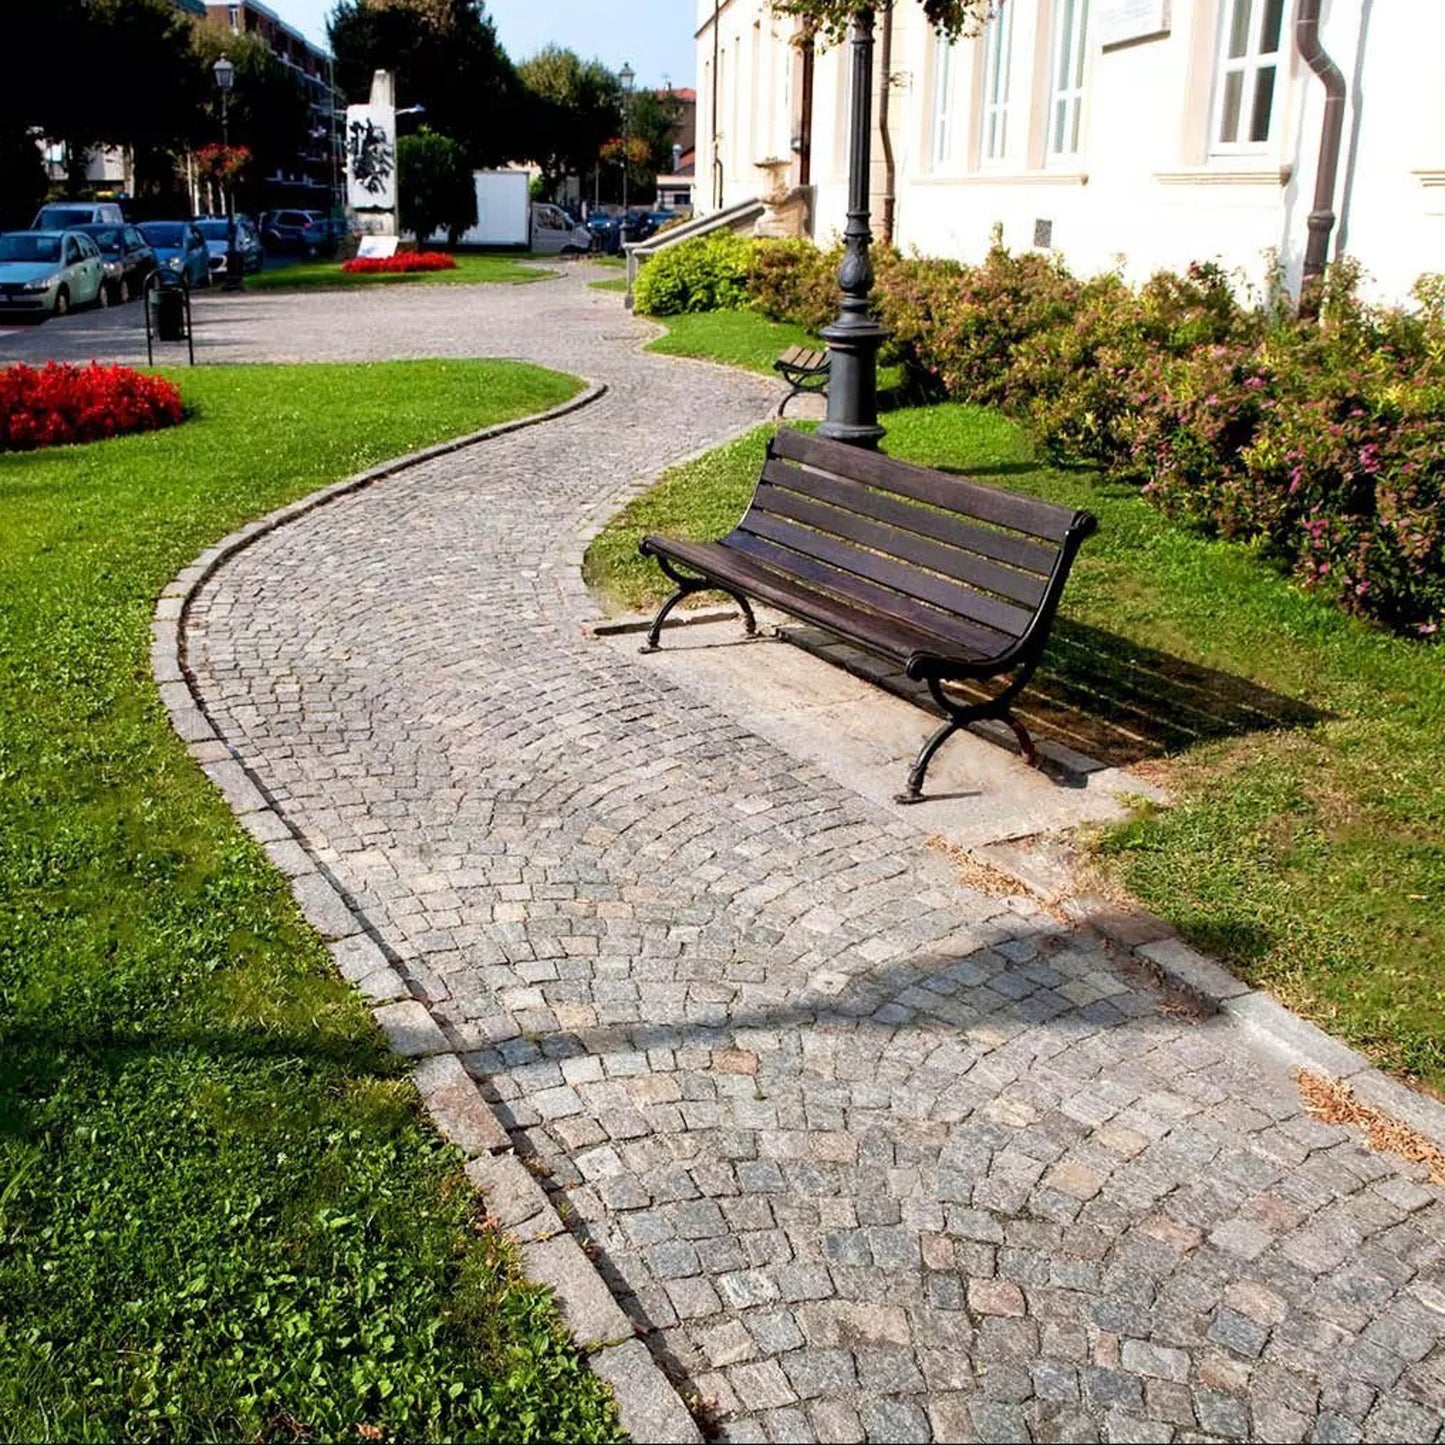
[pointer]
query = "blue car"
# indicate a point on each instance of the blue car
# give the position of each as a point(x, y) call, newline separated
point(181, 252)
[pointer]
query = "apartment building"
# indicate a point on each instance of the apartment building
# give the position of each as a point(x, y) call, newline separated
point(1122, 133)
point(313, 177)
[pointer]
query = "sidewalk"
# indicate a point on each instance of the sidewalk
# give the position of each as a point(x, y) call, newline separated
point(862, 1152)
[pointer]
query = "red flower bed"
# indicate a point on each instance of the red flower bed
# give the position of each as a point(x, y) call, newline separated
point(399, 264)
point(60, 403)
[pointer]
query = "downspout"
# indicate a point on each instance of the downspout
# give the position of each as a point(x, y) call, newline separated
point(717, 170)
point(890, 168)
point(805, 122)
point(1322, 218)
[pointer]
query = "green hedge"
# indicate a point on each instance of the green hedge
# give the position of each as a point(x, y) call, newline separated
point(1322, 444)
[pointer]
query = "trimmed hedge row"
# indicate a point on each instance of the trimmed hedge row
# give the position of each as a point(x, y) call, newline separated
point(1323, 444)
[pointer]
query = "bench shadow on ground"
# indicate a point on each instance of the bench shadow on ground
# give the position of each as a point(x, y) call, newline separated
point(1112, 699)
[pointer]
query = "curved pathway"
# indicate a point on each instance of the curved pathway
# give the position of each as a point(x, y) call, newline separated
point(864, 1153)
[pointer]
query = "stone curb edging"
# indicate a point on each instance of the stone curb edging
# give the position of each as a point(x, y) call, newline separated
point(648, 1405)
point(1157, 947)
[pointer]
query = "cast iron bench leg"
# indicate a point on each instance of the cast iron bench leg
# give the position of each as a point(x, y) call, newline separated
point(958, 719)
point(686, 586)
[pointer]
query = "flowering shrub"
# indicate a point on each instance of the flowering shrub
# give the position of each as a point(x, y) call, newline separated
point(1323, 445)
point(400, 264)
point(60, 403)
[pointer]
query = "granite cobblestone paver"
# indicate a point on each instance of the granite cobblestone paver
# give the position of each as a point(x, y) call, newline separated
point(864, 1154)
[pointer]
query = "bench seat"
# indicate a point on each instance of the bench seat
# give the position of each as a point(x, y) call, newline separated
point(949, 578)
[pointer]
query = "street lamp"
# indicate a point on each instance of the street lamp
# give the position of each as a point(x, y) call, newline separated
point(854, 338)
point(225, 74)
point(626, 75)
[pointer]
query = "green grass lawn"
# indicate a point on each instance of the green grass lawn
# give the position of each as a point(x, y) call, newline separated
point(1309, 856)
point(220, 1217)
point(471, 270)
point(739, 338)
point(615, 283)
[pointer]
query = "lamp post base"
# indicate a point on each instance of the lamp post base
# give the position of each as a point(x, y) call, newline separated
point(853, 382)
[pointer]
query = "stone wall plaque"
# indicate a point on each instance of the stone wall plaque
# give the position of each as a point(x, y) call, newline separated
point(1116, 22)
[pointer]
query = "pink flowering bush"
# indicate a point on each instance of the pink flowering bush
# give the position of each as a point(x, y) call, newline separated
point(403, 263)
point(58, 403)
point(1323, 445)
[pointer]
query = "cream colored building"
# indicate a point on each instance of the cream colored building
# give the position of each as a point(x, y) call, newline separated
point(1133, 133)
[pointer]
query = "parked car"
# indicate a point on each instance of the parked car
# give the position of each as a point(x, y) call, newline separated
point(298, 232)
point(214, 230)
point(180, 251)
point(336, 227)
point(606, 230)
point(46, 273)
point(126, 256)
point(62, 215)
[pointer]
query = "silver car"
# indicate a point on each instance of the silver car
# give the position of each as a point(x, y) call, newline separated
point(46, 273)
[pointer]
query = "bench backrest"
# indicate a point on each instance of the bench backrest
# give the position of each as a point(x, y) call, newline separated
point(911, 543)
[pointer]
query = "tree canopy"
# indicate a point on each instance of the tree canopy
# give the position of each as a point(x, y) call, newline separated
point(434, 185)
point(446, 57)
point(574, 108)
point(268, 111)
point(831, 18)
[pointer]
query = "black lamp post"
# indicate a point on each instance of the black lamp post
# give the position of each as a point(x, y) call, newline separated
point(626, 76)
point(854, 338)
point(225, 74)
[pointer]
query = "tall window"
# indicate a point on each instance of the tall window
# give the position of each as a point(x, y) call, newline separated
point(943, 73)
point(1066, 76)
point(1249, 61)
point(998, 47)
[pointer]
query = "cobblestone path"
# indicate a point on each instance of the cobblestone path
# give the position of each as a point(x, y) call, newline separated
point(864, 1153)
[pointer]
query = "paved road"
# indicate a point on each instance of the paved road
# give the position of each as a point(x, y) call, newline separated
point(865, 1153)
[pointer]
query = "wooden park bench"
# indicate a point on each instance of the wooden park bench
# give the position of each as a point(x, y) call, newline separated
point(954, 580)
point(804, 370)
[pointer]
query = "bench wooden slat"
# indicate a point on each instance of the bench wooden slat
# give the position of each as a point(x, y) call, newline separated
point(912, 584)
point(1011, 548)
point(976, 572)
point(989, 504)
point(750, 567)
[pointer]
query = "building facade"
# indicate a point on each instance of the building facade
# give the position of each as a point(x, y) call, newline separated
point(1130, 134)
point(313, 178)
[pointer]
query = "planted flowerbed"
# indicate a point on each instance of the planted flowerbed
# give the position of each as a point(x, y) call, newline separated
point(404, 263)
point(58, 403)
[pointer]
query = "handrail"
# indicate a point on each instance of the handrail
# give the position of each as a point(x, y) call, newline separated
point(730, 218)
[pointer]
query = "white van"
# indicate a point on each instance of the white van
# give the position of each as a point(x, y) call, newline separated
point(62, 215)
point(554, 231)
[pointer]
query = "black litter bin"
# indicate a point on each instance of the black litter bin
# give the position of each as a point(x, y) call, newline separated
point(170, 304)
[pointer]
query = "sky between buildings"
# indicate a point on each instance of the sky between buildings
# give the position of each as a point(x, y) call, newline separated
point(654, 36)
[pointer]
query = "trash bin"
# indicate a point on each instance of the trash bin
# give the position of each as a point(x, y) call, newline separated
point(170, 304)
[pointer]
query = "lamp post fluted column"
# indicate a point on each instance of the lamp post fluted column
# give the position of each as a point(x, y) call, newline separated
point(225, 73)
point(854, 338)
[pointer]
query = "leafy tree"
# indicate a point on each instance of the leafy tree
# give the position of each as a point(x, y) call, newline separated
point(434, 186)
point(446, 57)
point(129, 79)
point(267, 112)
point(574, 107)
point(831, 18)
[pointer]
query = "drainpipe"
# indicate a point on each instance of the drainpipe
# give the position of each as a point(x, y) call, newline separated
point(805, 122)
point(717, 170)
point(890, 169)
point(1322, 218)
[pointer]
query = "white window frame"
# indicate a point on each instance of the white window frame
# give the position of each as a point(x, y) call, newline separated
point(1250, 66)
point(1064, 132)
point(997, 69)
point(945, 76)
